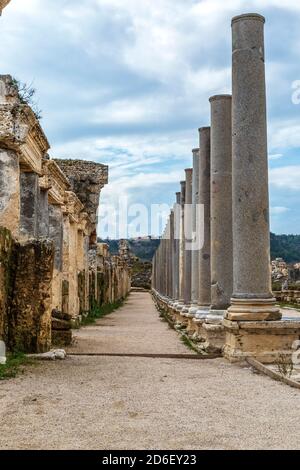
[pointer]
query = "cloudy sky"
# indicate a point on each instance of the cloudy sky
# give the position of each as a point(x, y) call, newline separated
point(127, 82)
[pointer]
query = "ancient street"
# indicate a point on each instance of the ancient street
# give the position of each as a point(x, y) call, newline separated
point(107, 402)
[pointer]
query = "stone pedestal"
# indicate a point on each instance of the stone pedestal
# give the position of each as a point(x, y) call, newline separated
point(263, 340)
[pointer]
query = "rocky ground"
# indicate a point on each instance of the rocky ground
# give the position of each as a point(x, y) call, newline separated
point(98, 402)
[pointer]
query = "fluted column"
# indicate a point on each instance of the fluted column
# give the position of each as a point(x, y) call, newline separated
point(204, 298)
point(221, 206)
point(252, 297)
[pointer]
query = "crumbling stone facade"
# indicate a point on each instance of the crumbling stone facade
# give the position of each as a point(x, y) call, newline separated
point(48, 220)
point(3, 4)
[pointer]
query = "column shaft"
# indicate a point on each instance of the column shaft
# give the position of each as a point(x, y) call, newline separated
point(252, 296)
point(188, 237)
point(221, 203)
point(204, 199)
point(195, 225)
point(181, 246)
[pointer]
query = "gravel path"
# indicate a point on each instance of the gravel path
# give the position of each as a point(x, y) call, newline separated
point(138, 403)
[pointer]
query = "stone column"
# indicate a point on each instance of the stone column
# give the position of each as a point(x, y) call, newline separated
point(221, 206)
point(29, 196)
point(166, 258)
point(195, 252)
point(188, 239)
point(171, 256)
point(252, 297)
point(204, 298)
point(56, 235)
point(9, 191)
point(176, 249)
point(43, 217)
point(181, 248)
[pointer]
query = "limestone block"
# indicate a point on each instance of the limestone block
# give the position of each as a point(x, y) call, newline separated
point(213, 337)
point(263, 340)
point(3, 4)
point(6, 271)
point(60, 324)
point(61, 337)
point(9, 191)
point(29, 322)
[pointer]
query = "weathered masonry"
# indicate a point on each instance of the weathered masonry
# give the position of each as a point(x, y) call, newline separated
point(3, 4)
point(231, 308)
point(52, 271)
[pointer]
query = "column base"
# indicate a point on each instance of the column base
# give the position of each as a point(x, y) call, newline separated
point(215, 317)
point(202, 312)
point(212, 338)
point(179, 306)
point(185, 310)
point(193, 310)
point(262, 340)
point(253, 310)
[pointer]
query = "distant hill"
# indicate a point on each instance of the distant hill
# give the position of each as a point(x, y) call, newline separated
point(286, 247)
point(143, 248)
point(282, 246)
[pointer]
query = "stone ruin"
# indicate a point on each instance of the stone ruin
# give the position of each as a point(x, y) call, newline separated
point(3, 4)
point(52, 271)
point(141, 271)
point(219, 293)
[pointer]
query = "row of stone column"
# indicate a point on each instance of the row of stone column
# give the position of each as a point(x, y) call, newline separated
point(226, 193)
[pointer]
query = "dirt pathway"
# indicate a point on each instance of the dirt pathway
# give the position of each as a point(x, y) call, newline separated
point(140, 403)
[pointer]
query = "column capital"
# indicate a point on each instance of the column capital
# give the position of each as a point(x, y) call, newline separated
point(248, 16)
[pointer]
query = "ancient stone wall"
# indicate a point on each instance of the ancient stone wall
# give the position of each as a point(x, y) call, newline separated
point(29, 322)
point(6, 272)
point(48, 211)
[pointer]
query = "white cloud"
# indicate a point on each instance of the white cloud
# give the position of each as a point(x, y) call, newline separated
point(287, 177)
point(128, 82)
point(278, 210)
point(285, 134)
point(275, 156)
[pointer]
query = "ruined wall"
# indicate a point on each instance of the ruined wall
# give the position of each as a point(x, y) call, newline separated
point(86, 179)
point(110, 276)
point(30, 311)
point(25, 293)
point(6, 271)
point(9, 190)
point(3, 4)
point(48, 211)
